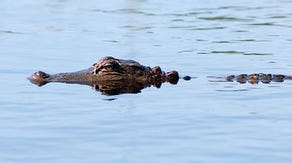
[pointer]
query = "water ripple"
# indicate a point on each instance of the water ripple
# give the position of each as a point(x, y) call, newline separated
point(238, 52)
point(9, 32)
point(124, 11)
point(136, 28)
point(223, 18)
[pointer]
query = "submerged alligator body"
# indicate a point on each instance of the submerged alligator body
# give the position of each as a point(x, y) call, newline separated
point(255, 78)
point(113, 76)
point(258, 77)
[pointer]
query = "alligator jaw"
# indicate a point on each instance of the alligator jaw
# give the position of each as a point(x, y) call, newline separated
point(85, 77)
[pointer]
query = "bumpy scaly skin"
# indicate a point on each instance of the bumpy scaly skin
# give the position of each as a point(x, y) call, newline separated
point(257, 77)
point(111, 76)
point(109, 68)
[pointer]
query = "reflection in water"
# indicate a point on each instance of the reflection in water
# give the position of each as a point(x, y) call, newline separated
point(122, 87)
point(112, 87)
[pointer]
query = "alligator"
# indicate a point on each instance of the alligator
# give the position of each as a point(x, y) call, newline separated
point(113, 76)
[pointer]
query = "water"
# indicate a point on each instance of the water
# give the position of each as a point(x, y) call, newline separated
point(193, 121)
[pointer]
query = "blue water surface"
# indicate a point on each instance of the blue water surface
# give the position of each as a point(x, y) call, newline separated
point(194, 121)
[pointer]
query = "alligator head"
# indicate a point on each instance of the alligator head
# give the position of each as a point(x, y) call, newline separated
point(111, 76)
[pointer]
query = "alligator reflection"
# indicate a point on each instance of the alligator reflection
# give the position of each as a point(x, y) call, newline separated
point(110, 87)
point(121, 87)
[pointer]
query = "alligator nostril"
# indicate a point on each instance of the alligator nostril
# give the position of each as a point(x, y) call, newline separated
point(39, 78)
point(42, 74)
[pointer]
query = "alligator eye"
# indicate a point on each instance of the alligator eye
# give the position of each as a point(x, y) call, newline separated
point(107, 67)
point(115, 65)
point(140, 73)
point(111, 66)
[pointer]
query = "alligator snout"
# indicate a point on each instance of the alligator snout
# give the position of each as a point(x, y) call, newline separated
point(39, 78)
